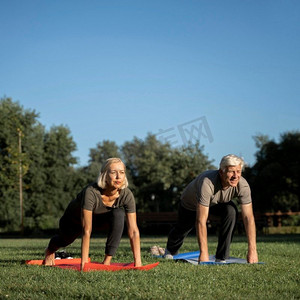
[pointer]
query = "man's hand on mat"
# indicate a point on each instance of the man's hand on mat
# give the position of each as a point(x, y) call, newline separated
point(49, 258)
point(203, 257)
point(252, 257)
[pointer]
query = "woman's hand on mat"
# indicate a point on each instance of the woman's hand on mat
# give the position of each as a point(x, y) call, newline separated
point(82, 266)
point(138, 263)
point(83, 262)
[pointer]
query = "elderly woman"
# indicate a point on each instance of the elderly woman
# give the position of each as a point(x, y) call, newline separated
point(106, 201)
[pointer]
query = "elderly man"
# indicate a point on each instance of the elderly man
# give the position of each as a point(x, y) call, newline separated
point(212, 193)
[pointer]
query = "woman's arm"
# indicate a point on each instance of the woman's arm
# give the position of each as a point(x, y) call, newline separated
point(87, 216)
point(134, 236)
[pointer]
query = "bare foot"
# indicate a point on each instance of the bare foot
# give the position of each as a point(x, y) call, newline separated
point(49, 258)
point(107, 260)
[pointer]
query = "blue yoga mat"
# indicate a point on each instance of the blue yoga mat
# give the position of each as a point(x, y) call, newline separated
point(192, 258)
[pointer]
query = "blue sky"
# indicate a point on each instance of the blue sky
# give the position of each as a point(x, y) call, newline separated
point(111, 70)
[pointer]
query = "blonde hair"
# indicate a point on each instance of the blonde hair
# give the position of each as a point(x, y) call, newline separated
point(101, 180)
point(231, 160)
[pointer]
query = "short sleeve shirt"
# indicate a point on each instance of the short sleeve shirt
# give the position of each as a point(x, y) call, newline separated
point(90, 199)
point(207, 190)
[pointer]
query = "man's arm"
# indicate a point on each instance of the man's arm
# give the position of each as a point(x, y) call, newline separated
point(249, 223)
point(201, 219)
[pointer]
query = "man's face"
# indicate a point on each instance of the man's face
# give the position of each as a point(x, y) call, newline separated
point(231, 176)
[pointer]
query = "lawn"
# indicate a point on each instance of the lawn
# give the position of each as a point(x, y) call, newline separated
point(278, 278)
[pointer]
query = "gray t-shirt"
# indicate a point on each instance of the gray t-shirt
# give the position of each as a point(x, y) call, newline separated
point(90, 198)
point(207, 190)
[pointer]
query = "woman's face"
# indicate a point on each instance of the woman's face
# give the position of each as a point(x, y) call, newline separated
point(116, 175)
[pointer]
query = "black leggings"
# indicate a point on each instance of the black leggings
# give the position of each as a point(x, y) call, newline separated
point(70, 231)
point(186, 222)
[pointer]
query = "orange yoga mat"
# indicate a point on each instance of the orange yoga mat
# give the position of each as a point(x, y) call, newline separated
point(74, 264)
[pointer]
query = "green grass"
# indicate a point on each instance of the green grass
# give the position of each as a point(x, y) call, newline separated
point(278, 278)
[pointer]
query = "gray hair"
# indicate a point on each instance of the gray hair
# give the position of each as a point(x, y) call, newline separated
point(101, 181)
point(231, 160)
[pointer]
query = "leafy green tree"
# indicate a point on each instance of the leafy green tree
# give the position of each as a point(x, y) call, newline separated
point(59, 176)
point(36, 165)
point(104, 150)
point(34, 182)
point(187, 163)
point(274, 178)
point(149, 165)
point(17, 125)
point(159, 172)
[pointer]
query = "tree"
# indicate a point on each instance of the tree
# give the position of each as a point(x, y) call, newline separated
point(149, 166)
point(58, 146)
point(104, 150)
point(35, 178)
point(274, 178)
point(188, 162)
point(37, 163)
point(159, 172)
point(17, 125)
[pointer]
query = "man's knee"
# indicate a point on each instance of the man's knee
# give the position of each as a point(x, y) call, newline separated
point(231, 211)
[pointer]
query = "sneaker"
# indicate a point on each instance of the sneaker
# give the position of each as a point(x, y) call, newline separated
point(157, 251)
point(223, 261)
point(167, 254)
point(62, 255)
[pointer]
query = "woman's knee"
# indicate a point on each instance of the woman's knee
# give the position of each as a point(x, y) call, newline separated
point(117, 217)
point(118, 213)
